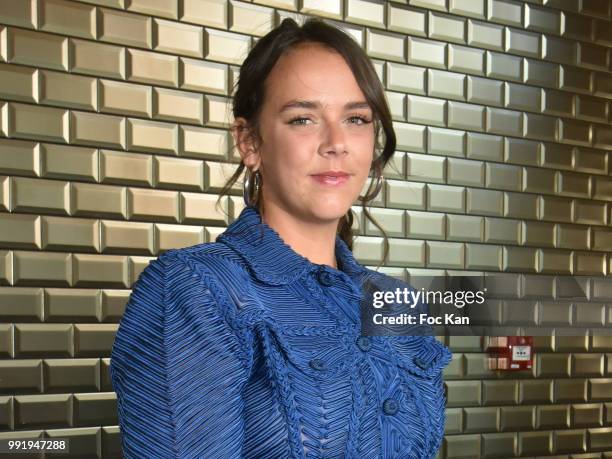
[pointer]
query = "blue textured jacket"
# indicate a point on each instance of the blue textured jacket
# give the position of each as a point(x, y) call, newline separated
point(244, 348)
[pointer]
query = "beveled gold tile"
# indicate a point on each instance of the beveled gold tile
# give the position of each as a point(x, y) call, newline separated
point(483, 256)
point(153, 205)
point(176, 38)
point(410, 136)
point(445, 198)
point(405, 195)
point(97, 59)
point(126, 237)
point(69, 162)
point(541, 127)
point(36, 49)
point(173, 105)
point(165, 8)
point(574, 132)
point(522, 42)
point(519, 151)
point(465, 172)
point(445, 27)
point(365, 12)
point(68, 90)
point(66, 234)
point(204, 142)
point(485, 35)
point(425, 225)
point(152, 136)
point(464, 228)
point(570, 236)
point(520, 205)
point(125, 28)
point(540, 73)
point(40, 195)
point(575, 79)
point(522, 97)
point(431, 4)
point(557, 102)
point(589, 212)
point(484, 91)
point(505, 12)
point(602, 188)
point(504, 66)
point(175, 173)
point(96, 129)
point(21, 14)
point(446, 84)
point(205, 12)
point(505, 122)
point(226, 47)
point(589, 160)
point(392, 220)
point(125, 98)
point(203, 76)
point(98, 200)
point(442, 254)
point(538, 180)
point(426, 52)
point(153, 68)
point(472, 8)
point(425, 167)
point(589, 264)
point(573, 184)
point(20, 231)
point(555, 261)
point(18, 83)
point(37, 122)
point(20, 157)
point(484, 146)
point(592, 56)
point(503, 176)
point(199, 208)
point(465, 59)
point(539, 234)
point(327, 8)
point(406, 78)
point(426, 110)
point(66, 17)
point(442, 141)
point(519, 259)
point(384, 45)
point(406, 20)
point(555, 209)
point(111, 271)
point(126, 168)
point(502, 230)
point(466, 116)
point(177, 236)
point(542, 19)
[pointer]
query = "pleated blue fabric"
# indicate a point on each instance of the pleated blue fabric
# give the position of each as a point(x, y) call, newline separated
point(243, 348)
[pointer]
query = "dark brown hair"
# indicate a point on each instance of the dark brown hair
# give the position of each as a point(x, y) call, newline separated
point(249, 94)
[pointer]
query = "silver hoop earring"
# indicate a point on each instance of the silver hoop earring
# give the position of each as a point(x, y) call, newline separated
point(251, 187)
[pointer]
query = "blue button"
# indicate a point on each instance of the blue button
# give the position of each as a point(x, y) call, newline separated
point(421, 363)
point(325, 278)
point(364, 343)
point(317, 364)
point(390, 406)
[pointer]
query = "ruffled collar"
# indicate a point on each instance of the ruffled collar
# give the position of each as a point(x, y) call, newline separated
point(271, 259)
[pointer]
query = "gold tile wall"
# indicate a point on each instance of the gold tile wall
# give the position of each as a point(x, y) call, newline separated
point(113, 143)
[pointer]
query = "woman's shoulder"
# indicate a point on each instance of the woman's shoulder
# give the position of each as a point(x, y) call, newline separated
point(211, 258)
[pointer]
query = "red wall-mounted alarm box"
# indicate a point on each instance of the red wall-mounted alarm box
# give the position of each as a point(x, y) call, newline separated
point(510, 353)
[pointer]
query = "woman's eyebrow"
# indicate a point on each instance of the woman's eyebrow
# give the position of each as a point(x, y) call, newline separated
point(309, 104)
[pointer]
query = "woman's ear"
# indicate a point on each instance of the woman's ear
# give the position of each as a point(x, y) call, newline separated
point(245, 141)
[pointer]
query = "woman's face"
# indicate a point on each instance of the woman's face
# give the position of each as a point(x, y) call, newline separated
point(314, 119)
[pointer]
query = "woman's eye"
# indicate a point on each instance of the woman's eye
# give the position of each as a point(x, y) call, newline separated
point(361, 118)
point(293, 121)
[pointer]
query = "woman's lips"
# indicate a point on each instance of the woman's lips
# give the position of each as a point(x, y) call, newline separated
point(330, 180)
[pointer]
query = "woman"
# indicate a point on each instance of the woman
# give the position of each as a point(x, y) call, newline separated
point(250, 346)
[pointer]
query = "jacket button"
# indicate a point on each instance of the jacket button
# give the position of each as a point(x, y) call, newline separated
point(420, 363)
point(364, 343)
point(390, 406)
point(325, 278)
point(317, 364)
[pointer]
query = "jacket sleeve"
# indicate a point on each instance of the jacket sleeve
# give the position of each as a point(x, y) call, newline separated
point(178, 368)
